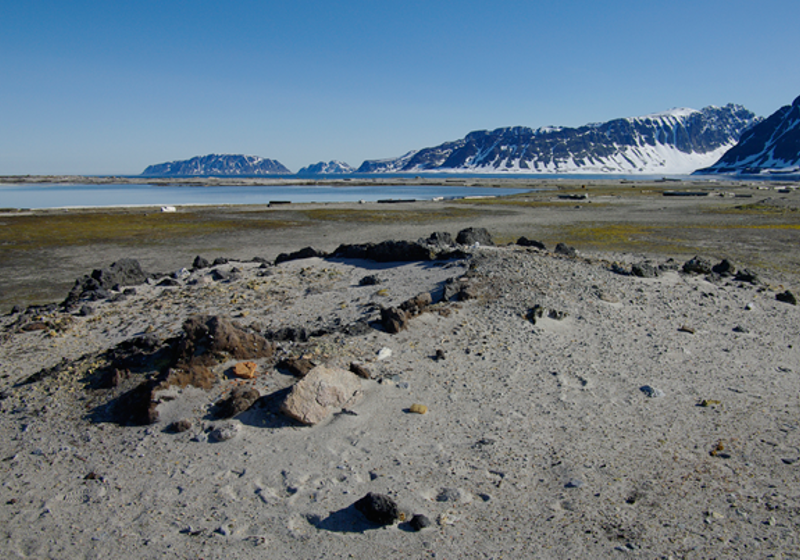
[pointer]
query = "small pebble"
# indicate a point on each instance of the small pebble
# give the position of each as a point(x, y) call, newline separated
point(574, 483)
point(651, 392)
point(419, 522)
point(418, 409)
point(384, 353)
point(224, 433)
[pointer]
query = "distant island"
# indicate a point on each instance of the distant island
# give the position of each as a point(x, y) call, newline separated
point(215, 164)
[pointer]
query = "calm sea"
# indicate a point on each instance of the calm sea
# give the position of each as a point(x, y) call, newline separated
point(75, 196)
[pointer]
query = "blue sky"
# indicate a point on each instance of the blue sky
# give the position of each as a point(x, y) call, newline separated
point(109, 87)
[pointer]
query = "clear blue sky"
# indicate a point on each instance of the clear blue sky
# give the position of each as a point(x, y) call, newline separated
point(109, 87)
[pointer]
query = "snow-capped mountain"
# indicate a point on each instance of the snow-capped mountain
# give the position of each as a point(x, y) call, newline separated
point(214, 164)
point(673, 142)
point(771, 146)
point(333, 167)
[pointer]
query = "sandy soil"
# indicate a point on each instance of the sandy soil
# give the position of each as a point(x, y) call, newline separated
point(637, 417)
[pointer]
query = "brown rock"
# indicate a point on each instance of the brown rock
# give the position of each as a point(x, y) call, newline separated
point(299, 367)
point(241, 399)
point(194, 374)
point(245, 370)
point(417, 304)
point(393, 319)
point(217, 336)
point(360, 370)
point(314, 398)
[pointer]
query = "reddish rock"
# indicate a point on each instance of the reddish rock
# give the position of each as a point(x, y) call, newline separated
point(245, 370)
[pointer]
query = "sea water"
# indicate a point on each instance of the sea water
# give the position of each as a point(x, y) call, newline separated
point(38, 196)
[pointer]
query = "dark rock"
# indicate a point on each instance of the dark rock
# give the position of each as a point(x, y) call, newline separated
point(240, 399)
point(440, 355)
point(417, 304)
point(289, 334)
point(86, 310)
point(180, 426)
point(220, 337)
point(697, 265)
point(535, 313)
point(305, 253)
point(386, 251)
point(748, 276)
point(200, 263)
point(460, 289)
point(419, 522)
point(472, 235)
point(439, 239)
point(125, 272)
point(220, 275)
point(168, 283)
point(644, 270)
point(669, 265)
point(393, 319)
point(136, 407)
point(566, 250)
point(219, 261)
point(787, 297)
point(724, 268)
point(360, 370)
point(525, 242)
point(378, 508)
point(370, 280)
point(299, 367)
point(358, 328)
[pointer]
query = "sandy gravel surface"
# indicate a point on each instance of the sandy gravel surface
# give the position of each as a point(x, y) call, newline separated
point(630, 417)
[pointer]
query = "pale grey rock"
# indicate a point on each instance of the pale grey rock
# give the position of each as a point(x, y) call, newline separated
point(323, 389)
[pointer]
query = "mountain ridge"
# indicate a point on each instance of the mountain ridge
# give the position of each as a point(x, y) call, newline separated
point(771, 146)
point(676, 141)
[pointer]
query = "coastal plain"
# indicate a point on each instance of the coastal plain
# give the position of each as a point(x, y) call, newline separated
point(572, 406)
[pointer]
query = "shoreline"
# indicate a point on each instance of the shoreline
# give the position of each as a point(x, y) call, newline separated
point(743, 222)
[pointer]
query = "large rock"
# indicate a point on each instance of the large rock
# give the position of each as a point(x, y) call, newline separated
point(473, 235)
point(697, 265)
point(305, 253)
point(218, 337)
point(386, 251)
point(393, 319)
point(318, 394)
point(124, 272)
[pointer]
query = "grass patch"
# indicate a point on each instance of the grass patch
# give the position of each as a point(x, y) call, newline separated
point(39, 231)
point(756, 209)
